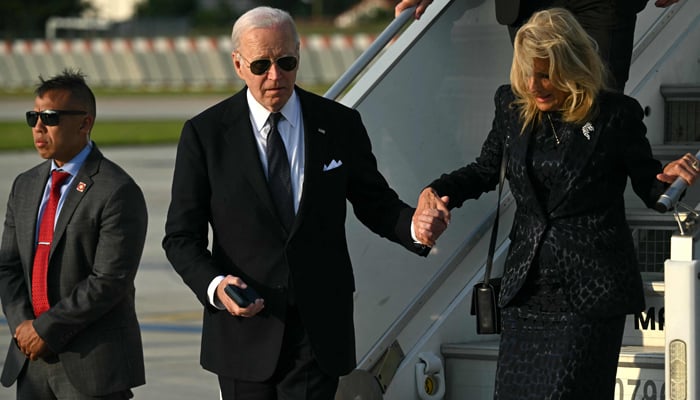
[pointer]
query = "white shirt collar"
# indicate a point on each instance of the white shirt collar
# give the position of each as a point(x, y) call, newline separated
point(259, 114)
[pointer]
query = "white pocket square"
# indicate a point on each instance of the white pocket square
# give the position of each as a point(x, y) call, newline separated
point(332, 165)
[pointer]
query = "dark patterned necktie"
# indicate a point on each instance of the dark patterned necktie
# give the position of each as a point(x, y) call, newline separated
point(40, 298)
point(279, 179)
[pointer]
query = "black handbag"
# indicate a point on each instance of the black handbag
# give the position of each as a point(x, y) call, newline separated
point(485, 293)
point(485, 307)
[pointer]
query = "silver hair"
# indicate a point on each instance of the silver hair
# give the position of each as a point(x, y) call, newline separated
point(262, 17)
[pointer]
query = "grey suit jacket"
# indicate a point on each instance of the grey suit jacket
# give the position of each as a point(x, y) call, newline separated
point(98, 241)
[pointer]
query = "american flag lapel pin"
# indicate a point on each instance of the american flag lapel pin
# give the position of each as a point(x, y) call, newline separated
point(81, 187)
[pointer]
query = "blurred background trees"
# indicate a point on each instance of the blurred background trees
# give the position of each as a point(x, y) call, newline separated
point(27, 18)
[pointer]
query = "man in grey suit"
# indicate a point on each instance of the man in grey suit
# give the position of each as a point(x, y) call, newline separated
point(68, 292)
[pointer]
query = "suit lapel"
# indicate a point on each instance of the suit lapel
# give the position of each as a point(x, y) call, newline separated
point(577, 151)
point(316, 146)
point(80, 186)
point(242, 150)
point(520, 169)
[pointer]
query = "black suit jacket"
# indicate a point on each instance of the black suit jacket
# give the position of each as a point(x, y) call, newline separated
point(219, 181)
point(582, 229)
point(510, 12)
point(98, 240)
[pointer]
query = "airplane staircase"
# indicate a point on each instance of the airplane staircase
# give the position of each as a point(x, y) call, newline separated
point(426, 99)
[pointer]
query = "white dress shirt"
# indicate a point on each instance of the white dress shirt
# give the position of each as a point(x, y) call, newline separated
point(291, 129)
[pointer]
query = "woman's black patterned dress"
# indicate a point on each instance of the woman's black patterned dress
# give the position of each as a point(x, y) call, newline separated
point(547, 350)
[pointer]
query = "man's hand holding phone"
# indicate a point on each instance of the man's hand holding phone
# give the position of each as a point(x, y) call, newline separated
point(239, 299)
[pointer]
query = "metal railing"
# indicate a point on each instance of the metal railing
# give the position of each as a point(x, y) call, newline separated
point(369, 55)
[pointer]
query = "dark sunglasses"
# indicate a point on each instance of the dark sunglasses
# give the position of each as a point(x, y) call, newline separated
point(49, 117)
point(259, 67)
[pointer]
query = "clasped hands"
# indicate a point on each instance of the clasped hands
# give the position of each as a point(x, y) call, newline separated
point(431, 217)
point(29, 341)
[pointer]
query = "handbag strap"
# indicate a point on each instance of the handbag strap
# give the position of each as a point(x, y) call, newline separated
point(494, 230)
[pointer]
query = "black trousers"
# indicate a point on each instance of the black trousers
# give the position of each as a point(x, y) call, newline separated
point(297, 377)
point(612, 28)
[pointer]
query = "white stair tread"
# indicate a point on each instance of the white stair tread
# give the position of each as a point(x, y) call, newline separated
point(630, 356)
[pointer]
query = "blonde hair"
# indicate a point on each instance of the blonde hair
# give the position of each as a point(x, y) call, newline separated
point(574, 64)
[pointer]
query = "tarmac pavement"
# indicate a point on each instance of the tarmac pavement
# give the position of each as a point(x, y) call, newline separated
point(169, 313)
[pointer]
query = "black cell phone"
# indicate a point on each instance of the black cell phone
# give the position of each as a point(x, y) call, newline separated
point(242, 297)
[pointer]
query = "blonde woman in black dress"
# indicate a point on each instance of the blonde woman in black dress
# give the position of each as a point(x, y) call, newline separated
point(571, 273)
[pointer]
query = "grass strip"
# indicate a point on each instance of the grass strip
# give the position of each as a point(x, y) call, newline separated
point(18, 136)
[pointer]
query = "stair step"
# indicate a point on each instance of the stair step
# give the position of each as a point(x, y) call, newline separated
point(686, 92)
point(470, 369)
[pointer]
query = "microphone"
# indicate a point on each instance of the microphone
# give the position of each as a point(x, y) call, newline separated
point(668, 200)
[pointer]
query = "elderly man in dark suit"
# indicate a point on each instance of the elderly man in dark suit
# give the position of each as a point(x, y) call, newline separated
point(278, 221)
point(68, 291)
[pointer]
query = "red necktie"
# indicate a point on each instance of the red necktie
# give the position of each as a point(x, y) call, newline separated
point(40, 299)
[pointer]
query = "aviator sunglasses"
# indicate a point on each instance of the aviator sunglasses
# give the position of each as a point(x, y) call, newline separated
point(49, 117)
point(259, 67)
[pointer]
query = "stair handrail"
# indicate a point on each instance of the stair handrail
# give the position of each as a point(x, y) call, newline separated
point(483, 227)
point(655, 29)
point(361, 63)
